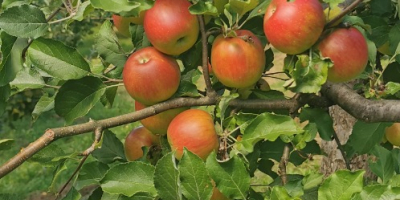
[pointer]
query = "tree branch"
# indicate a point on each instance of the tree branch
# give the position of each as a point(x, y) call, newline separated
point(343, 13)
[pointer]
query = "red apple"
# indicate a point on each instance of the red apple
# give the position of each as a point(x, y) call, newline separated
point(170, 27)
point(348, 50)
point(238, 61)
point(392, 134)
point(158, 124)
point(151, 76)
point(136, 139)
point(293, 27)
point(122, 23)
point(193, 129)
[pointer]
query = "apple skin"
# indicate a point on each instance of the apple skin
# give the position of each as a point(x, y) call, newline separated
point(170, 27)
point(158, 124)
point(150, 76)
point(135, 140)
point(193, 129)
point(122, 23)
point(293, 27)
point(238, 62)
point(392, 134)
point(348, 50)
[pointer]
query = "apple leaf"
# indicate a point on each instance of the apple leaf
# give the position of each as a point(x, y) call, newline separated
point(231, 177)
point(137, 196)
point(76, 97)
point(84, 10)
point(392, 88)
point(51, 156)
point(224, 103)
point(341, 185)
point(73, 194)
point(266, 126)
point(312, 180)
point(321, 118)
point(394, 39)
point(125, 7)
point(195, 182)
point(129, 179)
point(90, 174)
point(280, 193)
point(57, 59)
point(166, 178)
point(7, 43)
point(379, 29)
point(381, 7)
point(139, 38)
point(309, 75)
point(27, 78)
point(24, 21)
point(5, 94)
point(364, 136)
point(383, 167)
point(44, 104)
point(5, 144)
point(187, 89)
point(109, 96)
point(203, 8)
point(11, 49)
point(111, 149)
point(378, 192)
point(242, 6)
point(259, 10)
point(108, 47)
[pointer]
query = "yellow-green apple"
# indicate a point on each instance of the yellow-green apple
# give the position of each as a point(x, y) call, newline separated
point(193, 129)
point(170, 27)
point(150, 76)
point(331, 13)
point(122, 23)
point(385, 49)
point(392, 134)
point(136, 139)
point(239, 61)
point(158, 124)
point(348, 50)
point(293, 27)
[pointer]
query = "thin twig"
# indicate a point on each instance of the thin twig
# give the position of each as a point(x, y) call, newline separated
point(283, 164)
point(341, 149)
point(343, 13)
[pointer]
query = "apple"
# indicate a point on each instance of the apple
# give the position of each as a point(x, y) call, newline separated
point(136, 139)
point(239, 61)
point(293, 27)
point(392, 134)
point(348, 50)
point(150, 76)
point(385, 49)
point(193, 129)
point(332, 13)
point(158, 124)
point(170, 27)
point(122, 23)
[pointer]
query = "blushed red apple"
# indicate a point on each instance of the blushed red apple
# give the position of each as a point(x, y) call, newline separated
point(170, 27)
point(150, 76)
point(193, 129)
point(122, 23)
point(238, 62)
point(135, 140)
point(293, 27)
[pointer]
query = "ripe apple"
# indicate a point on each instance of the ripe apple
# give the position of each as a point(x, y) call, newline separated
point(150, 76)
point(158, 124)
point(170, 27)
point(193, 129)
point(348, 50)
point(293, 27)
point(392, 134)
point(122, 23)
point(136, 139)
point(238, 61)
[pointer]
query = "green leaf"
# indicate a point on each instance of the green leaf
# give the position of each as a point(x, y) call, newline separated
point(111, 149)
point(7, 43)
point(84, 10)
point(76, 97)
point(224, 103)
point(91, 174)
point(384, 166)
point(195, 182)
point(380, 192)
point(129, 179)
point(321, 118)
point(231, 177)
point(280, 193)
point(341, 185)
point(28, 78)
point(381, 7)
point(166, 178)
point(187, 89)
point(5, 94)
point(109, 96)
point(137, 196)
point(48, 156)
point(57, 59)
point(123, 6)
point(57, 173)
point(259, 10)
point(73, 194)
point(9, 196)
point(6, 144)
point(139, 38)
point(108, 47)
point(364, 136)
point(267, 126)
point(392, 88)
point(243, 6)
point(312, 180)
point(394, 38)
point(44, 104)
point(203, 8)
point(309, 75)
point(24, 21)
point(11, 64)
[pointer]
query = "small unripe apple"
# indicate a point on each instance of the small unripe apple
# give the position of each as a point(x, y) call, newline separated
point(170, 27)
point(150, 76)
point(136, 139)
point(385, 49)
point(193, 129)
point(348, 50)
point(158, 124)
point(122, 23)
point(293, 26)
point(392, 134)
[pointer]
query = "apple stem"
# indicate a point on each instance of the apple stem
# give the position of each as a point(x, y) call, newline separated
point(343, 13)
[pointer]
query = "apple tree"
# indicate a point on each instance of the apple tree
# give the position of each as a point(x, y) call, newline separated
point(239, 99)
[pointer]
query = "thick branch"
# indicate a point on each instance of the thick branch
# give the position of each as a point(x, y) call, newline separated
point(361, 108)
